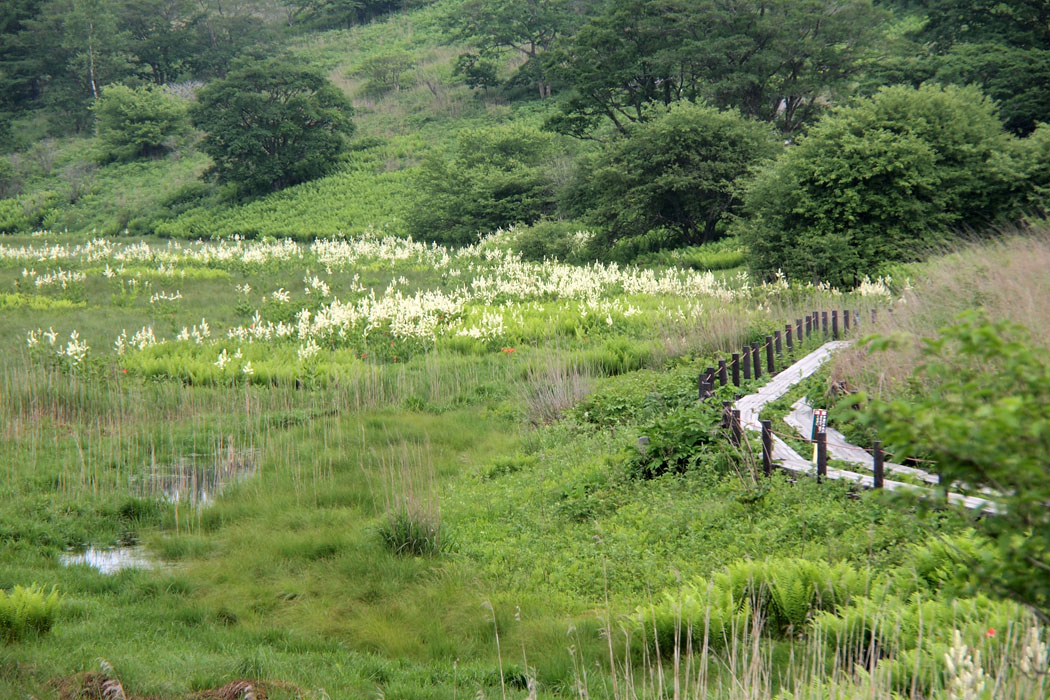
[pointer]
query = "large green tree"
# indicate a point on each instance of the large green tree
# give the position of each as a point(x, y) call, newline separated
point(678, 172)
point(776, 60)
point(880, 181)
point(272, 123)
point(526, 29)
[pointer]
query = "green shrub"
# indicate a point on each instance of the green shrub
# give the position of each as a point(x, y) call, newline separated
point(496, 177)
point(678, 442)
point(719, 255)
point(879, 181)
point(137, 122)
point(566, 241)
point(785, 593)
point(26, 612)
point(677, 172)
point(414, 533)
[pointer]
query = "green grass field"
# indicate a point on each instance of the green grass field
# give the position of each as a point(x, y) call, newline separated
point(396, 398)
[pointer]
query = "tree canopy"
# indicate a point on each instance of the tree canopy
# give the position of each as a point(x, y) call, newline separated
point(272, 123)
point(776, 60)
point(879, 181)
point(678, 172)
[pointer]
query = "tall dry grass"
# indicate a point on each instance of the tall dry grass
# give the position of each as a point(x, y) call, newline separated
point(1007, 278)
point(747, 666)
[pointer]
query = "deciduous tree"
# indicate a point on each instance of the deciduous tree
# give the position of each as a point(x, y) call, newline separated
point(272, 123)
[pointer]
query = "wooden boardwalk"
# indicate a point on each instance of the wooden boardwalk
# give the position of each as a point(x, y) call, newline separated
point(801, 418)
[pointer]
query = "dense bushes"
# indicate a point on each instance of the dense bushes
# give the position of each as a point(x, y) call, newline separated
point(495, 177)
point(677, 172)
point(137, 122)
point(880, 181)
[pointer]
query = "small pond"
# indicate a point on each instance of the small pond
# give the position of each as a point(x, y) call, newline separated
point(109, 560)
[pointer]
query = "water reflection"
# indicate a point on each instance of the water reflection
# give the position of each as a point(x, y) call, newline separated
point(197, 478)
point(110, 560)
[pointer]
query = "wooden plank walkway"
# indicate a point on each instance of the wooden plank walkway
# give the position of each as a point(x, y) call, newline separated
point(801, 419)
point(751, 406)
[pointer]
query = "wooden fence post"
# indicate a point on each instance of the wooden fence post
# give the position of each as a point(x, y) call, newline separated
point(798, 332)
point(777, 342)
point(727, 415)
point(770, 367)
point(846, 313)
point(754, 359)
point(877, 467)
point(723, 374)
point(835, 324)
point(767, 447)
point(787, 337)
point(824, 322)
point(809, 326)
point(745, 361)
point(706, 389)
point(735, 364)
point(822, 455)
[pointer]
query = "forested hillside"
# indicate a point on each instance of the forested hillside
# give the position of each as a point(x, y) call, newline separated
point(882, 128)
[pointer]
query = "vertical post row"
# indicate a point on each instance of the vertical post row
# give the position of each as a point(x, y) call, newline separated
point(723, 373)
point(822, 455)
point(877, 466)
point(770, 367)
point(735, 364)
point(767, 447)
point(754, 359)
point(835, 324)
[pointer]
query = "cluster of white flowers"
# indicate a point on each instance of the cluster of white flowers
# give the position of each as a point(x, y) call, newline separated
point(142, 339)
point(876, 288)
point(489, 328)
point(165, 296)
point(75, 350)
point(198, 334)
point(308, 350)
point(315, 285)
point(966, 678)
point(488, 291)
point(1034, 657)
point(54, 278)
